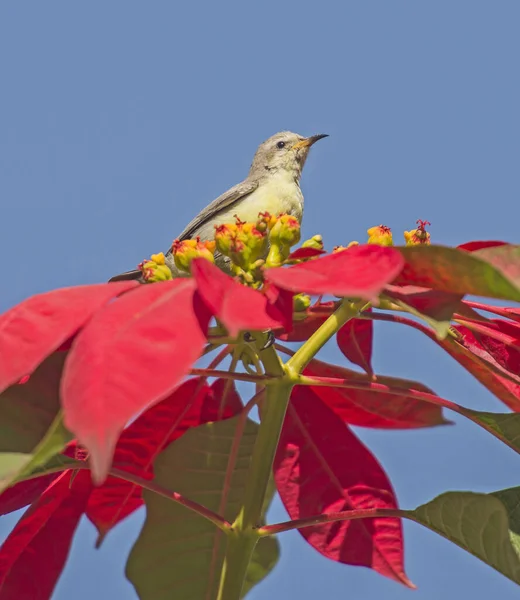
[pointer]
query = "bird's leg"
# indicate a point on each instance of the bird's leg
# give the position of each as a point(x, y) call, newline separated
point(269, 338)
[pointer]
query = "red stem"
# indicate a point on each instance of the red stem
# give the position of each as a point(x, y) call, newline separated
point(346, 515)
point(264, 379)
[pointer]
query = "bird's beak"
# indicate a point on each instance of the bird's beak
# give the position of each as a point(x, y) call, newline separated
point(308, 142)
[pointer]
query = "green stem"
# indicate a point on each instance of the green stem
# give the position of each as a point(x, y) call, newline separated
point(321, 336)
point(273, 414)
point(244, 536)
point(239, 551)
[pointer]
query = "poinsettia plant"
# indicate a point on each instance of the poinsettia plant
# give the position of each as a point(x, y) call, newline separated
point(119, 395)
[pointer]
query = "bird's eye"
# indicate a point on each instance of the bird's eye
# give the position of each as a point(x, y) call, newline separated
point(280, 145)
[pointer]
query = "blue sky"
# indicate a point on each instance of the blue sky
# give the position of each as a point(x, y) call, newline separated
point(120, 120)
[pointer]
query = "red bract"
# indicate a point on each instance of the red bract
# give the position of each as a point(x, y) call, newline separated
point(321, 467)
point(359, 272)
point(192, 404)
point(494, 345)
point(237, 306)
point(432, 303)
point(477, 359)
point(132, 354)
point(375, 406)
point(301, 253)
point(508, 312)
point(355, 341)
point(474, 246)
point(37, 326)
point(24, 493)
point(32, 557)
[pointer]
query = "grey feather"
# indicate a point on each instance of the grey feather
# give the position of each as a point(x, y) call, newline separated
point(226, 200)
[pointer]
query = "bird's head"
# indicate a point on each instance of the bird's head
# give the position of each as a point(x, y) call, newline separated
point(283, 151)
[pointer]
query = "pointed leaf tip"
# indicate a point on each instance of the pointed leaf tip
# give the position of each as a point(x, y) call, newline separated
point(355, 342)
point(132, 353)
point(321, 467)
point(238, 307)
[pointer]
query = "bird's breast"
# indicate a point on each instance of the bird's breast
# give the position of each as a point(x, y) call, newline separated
point(274, 196)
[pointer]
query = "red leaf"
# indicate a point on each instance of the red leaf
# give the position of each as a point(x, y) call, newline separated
point(24, 493)
point(240, 308)
point(321, 467)
point(474, 358)
point(473, 246)
point(133, 353)
point(192, 404)
point(303, 253)
point(432, 303)
point(484, 367)
point(33, 329)
point(504, 346)
point(32, 557)
point(355, 341)
point(372, 407)
point(360, 271)
point(303, 329)
point(508, 312)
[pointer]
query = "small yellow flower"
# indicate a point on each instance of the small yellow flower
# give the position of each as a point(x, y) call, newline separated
point(155, 269)
point(418, 236)
point(380, 235)
point(286, 231)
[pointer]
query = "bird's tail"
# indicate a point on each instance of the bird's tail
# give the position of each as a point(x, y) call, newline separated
point(127, 276)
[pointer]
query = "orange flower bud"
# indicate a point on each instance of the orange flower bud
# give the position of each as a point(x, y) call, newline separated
point(184, 252)
point(249, 245)
point(380, 235)
point(224, 236)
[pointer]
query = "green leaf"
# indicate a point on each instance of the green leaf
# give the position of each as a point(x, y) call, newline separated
point(504, 426)
point(179, 553)
point(486, 525)
point(265, 557)
point(493, 272)
point(31, 428)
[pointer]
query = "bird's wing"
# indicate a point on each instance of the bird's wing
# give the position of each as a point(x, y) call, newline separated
point(236, 193)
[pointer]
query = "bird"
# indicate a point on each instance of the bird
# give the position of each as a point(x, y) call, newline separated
point(272, 185)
